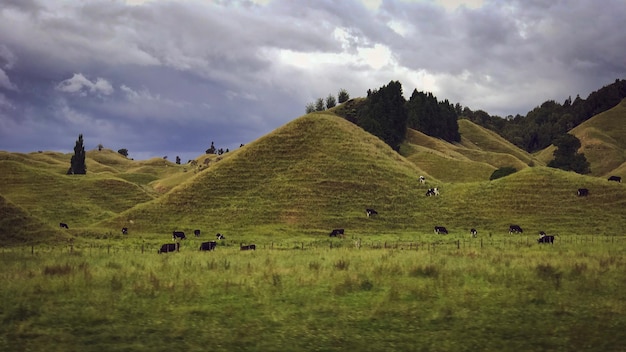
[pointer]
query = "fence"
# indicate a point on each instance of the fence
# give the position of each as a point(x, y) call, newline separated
point(345, 243)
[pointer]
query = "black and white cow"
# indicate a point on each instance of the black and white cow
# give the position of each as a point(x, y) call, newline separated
point(542, 234)
point(546, 239)
point(208, 246)
point(583, 192)
point(219, 236)
point(432, 192)
point(63, 225)
point(124, 230)
point(615, 178)
point(196, 233)
point(473, 232)
point(169, 247)
point(178, 234)
point(336, 232)
point(247, 247)
point(370, 212)
point(422, 179)
point(515, 229)
point(440, 230)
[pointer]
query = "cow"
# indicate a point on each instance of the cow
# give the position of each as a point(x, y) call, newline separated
point(219, 236)
point(248, 247)
point(336, 232)
point(178, 234)
point(542, 234)
point(169, 247)
point(370, 212)
point(208, 246)
point(63, 225)
point(474, 233)
point(432, 192)
point(440, 230)
point(422, 179)
point(196, 233)
point(515, 229)
point(583, 192)
point(615, 178)
point(546, 239)
point(124, 230)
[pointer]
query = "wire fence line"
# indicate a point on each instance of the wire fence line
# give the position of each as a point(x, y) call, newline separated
point(330, 244)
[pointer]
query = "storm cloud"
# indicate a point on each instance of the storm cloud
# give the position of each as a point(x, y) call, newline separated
point(169, 77)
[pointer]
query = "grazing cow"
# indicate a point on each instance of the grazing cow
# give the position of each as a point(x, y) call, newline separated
point(432, 192)
point(473, 232)
point(178, 234)
point(370, 212)
point(515, 229)
point(169, 247)
point(615, 178)
point(546, 239)
point(219, 236)
point(63, 225)
point(336, 232)
point(542, 234)
point(583, 192)
point(196, 233)
point(248, 247)
point(208, 246)
point(124, 230)
point(440, 230)
point(422, 179)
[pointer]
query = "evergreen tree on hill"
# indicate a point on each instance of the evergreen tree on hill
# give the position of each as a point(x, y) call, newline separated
point(77, 163)
point(436, 119)
point(384, 114)
point(566, 156)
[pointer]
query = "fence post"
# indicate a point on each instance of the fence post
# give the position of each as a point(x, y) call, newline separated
point(481, 243)
point(458, 244)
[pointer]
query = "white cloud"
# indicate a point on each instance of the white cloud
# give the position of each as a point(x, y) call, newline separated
point(79, 84)
point(5, 82)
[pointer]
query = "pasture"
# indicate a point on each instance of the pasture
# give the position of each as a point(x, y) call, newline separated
point(397, 292)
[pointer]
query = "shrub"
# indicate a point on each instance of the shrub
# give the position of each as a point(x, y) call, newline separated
point(501, 172)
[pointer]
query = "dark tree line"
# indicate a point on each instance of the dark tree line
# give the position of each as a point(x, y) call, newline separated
point(431, 117)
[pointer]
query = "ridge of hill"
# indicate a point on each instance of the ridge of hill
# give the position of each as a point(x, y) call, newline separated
point(317, 171)
point(479, 153)
point(17, 226)
point(603, 141)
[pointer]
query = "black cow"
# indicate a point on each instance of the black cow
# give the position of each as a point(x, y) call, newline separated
point(615, 178)
point(546, 239)
point(515, 229)
point(336, 232)
point(178, 234)
point(473, 232)
point(219, 236)
point(196, 233)
point(432, 192)
point(63, 225)
point(169, 247)
point(583, 192)
point(542, 234)
point(208, 246)
point(124, 230)
point(440, 230)
point(248, 247)
point(370, 212)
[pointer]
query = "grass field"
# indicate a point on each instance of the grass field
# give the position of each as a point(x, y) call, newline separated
point(504, 296)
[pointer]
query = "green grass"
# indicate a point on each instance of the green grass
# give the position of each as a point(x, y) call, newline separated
point(496, 298)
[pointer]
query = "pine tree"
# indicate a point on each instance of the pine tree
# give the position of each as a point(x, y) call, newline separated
point(77, 163)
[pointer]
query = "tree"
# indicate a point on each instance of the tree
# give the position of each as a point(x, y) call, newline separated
point(330, 101)
point(319, 104)
point(211, 150)
point(309, 108)
point(123, 152)
point(566, 156)
point(385, 114)
point(177, 159)
point(77, 163)
point(343, 96)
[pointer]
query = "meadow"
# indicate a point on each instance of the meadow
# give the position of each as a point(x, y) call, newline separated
point(417, 292)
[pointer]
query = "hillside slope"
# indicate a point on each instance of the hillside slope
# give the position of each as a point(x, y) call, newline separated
point(479, 153)
point(318, 171)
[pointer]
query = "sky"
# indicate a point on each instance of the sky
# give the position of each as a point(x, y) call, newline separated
point(167, 78)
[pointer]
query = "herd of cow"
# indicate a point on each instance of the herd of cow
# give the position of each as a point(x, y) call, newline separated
point(440, 230)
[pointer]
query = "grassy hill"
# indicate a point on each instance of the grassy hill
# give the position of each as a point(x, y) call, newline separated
point(603, 141)
point(313, 174)
point(479, 153)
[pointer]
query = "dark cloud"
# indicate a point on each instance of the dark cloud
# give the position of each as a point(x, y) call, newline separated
point(168, 77)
